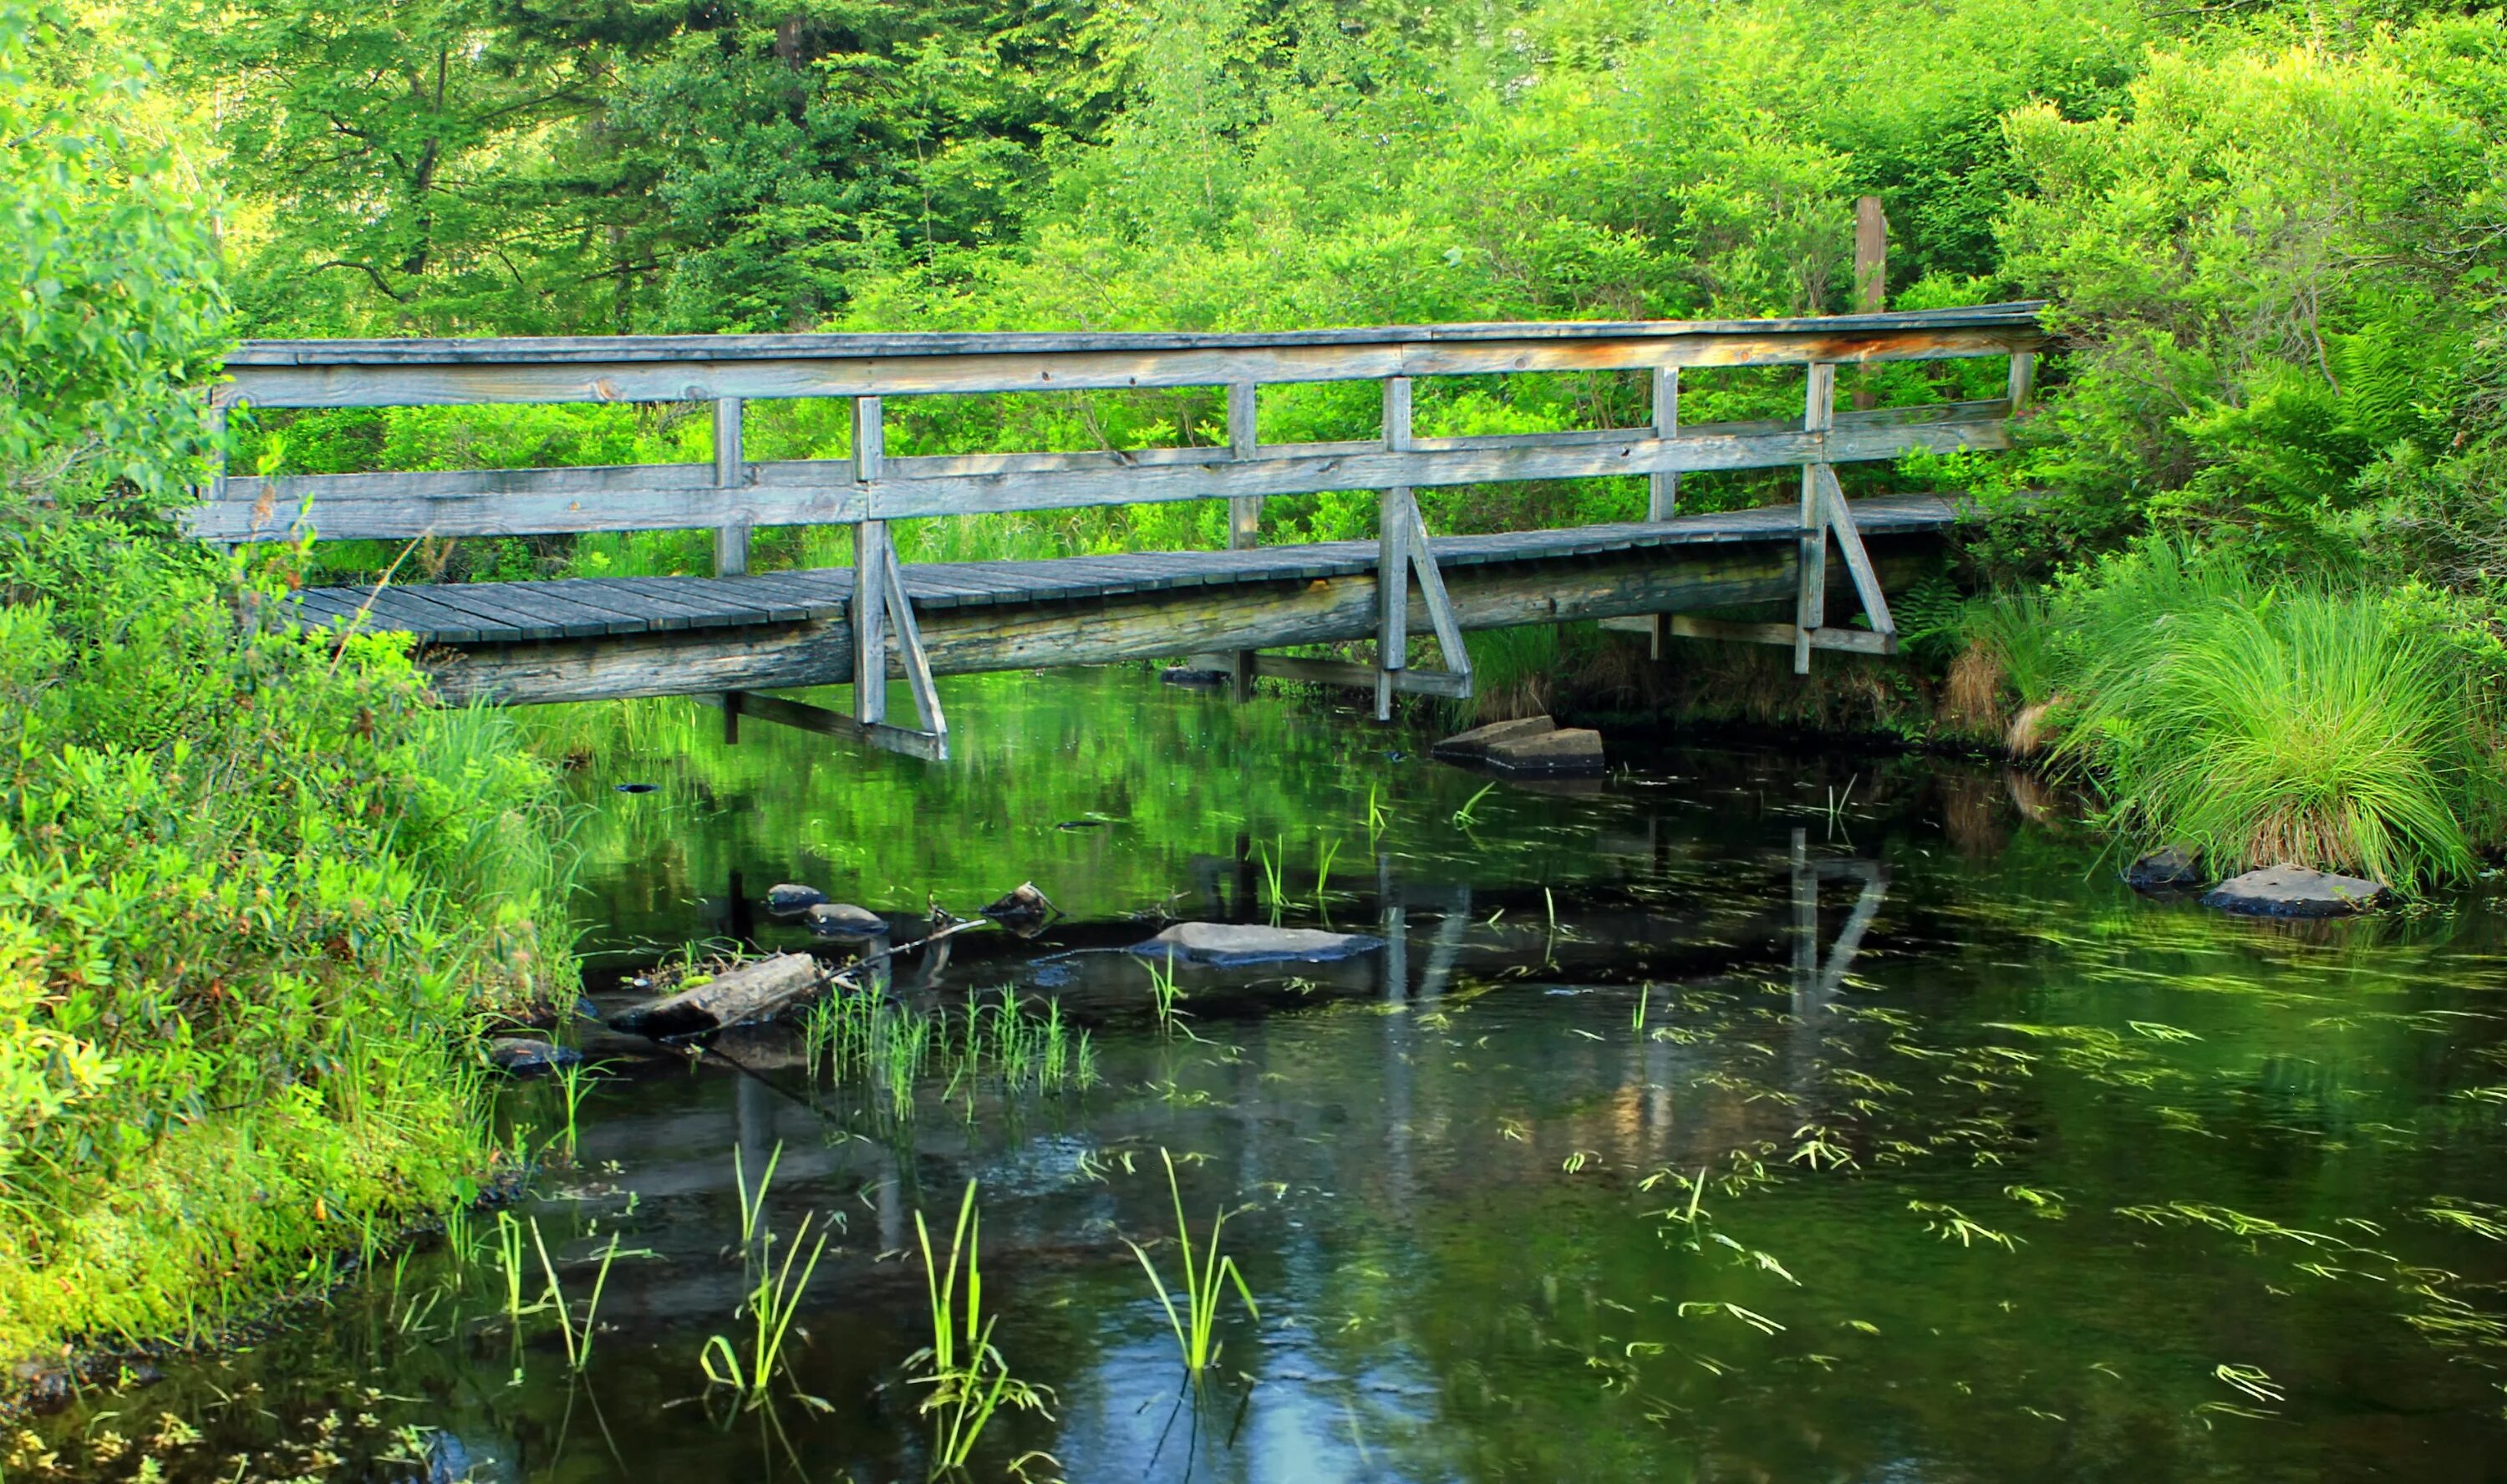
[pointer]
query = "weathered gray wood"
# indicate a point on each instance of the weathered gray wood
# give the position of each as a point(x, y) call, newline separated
point(826, 492)
point(2024, 381)
point(1857, 641)
point(1409, 682)
point(872, 554)
point(917, 664)
point(1839, 520)
point(958, 372)
point(730, 541)
point(805, 717)
point(1254, 616)
point(1662, 498)
point(739, 994)
point(602, 348)
point(1810, 603)
point(1438, 603)
point(1395, 517)
point(1244, 512)
point(706, 368)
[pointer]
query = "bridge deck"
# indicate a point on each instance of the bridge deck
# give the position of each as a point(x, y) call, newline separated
point(579, 608)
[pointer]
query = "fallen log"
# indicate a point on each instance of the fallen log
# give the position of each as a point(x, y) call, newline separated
point(748, 992)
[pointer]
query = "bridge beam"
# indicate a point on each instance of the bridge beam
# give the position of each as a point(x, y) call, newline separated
point(1145, 626)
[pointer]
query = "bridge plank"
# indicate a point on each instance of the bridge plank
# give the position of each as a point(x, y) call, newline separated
point(591, 607)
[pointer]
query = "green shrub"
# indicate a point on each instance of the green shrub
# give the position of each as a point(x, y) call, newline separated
point(2271, 722)
point(253, 889)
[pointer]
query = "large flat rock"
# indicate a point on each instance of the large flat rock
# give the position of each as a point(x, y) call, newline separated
point(1226, 944)
point(2294, 892)
point(1475, 742)
point(1569, 751)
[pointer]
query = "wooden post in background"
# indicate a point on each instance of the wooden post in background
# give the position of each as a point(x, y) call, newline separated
point(1871, 279)
point(731, 539)
point(1244, 515)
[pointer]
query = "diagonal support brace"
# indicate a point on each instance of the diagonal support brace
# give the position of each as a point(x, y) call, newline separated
point(880, 603)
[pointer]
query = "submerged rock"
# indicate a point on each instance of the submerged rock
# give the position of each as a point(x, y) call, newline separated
point(523, 1056)
point(1227, 944)
point(844, 920)
point(789, 899)
point(2294, 892)
point(2172, 868)
point(1475, 743)
point(1566, 751)
point(1021, 910)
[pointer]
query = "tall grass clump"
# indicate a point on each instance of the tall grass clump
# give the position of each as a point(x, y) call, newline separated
point(2274, 722)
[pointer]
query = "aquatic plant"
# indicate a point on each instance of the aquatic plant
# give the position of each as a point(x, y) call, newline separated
point(578, 1338)
point(968, 1377)
point(753, 1204)
point(773, 1299)
point(509, 1263)
point(1273, 860)
point(574, 1082)
point(1326, 851)
point(1164, 996)
point(1469, 814)
point(1197, 1323)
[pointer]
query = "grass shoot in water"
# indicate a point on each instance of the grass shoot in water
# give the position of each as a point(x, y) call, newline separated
point(1164, 996)
point(578, 1338)
point(1196, 1325)
point(968, 1377)
point(774, 1296)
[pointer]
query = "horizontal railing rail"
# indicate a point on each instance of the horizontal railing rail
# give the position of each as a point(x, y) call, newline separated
point(518, 502)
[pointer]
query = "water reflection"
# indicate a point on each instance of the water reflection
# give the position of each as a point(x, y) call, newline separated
point(1687, 1127)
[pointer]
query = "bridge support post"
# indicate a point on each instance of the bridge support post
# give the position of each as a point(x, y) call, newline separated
point(1662, 496)
point(1243, 517)
point(1810, 595)
point(731, 540)
point(1402, 550)
point(880, 600)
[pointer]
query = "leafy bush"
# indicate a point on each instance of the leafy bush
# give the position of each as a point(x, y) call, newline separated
point(2264, 722)
point(254, 885)
point(252, 891)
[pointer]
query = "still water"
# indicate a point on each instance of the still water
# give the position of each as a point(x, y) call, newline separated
point(1738, 1116)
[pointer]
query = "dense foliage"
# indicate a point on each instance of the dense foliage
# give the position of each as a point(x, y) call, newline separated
point(253, 886)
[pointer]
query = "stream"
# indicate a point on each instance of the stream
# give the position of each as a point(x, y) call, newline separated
point(1739, 1116)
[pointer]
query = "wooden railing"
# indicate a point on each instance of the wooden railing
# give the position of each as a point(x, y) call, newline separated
point(733, 494)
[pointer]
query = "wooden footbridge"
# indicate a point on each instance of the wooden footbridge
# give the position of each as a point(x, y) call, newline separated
point(736, 634)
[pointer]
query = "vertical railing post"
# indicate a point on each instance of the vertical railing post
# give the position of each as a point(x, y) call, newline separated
point(2024, 381)
point(731, 538)
point(1244, 516)
point(871, 556)
point(1811, 604)
point(1395, 519)
point(1662, 495)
